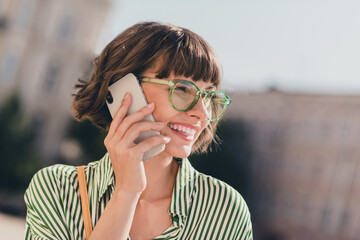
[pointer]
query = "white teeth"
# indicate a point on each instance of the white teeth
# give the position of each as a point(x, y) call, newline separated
point(185, 130)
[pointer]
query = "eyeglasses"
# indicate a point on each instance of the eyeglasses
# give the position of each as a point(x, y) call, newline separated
point(185, 94)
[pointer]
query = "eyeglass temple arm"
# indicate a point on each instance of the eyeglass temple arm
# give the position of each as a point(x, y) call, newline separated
point(223, 101)
point(157, 81)
point(171, 83)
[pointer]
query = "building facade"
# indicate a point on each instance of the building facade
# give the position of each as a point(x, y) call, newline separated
point(306, 164)
point(45, 46)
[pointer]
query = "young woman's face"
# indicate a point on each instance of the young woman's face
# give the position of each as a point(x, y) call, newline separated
point(192, 122)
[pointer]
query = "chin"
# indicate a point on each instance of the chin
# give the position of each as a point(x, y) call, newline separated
point(185, 155)
point(179, 152)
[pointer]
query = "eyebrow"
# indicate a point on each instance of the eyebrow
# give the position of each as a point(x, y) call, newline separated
point(211, 87)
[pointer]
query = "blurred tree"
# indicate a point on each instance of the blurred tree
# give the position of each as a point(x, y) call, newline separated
point(90, 139)
point(19, 160)
point(230, 161)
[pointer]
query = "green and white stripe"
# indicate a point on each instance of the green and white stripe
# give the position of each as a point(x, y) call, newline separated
point(202, 207)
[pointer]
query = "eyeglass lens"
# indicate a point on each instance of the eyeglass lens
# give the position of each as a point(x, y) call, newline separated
point(184, 95)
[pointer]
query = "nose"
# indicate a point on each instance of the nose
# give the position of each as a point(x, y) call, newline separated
point(199, 111)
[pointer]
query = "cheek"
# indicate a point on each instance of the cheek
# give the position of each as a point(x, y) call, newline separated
point(163, 109)
point(161, 101)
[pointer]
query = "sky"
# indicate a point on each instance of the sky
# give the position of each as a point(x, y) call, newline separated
point(294, 45)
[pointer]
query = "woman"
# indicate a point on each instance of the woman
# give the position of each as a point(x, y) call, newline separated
point(163, 197)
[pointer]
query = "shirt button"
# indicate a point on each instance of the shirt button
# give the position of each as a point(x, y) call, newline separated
point(175, 218)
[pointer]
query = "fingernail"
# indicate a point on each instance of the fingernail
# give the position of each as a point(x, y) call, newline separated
point(126, 96)
point(167, 139)
point(160, 124)
point(150, 105)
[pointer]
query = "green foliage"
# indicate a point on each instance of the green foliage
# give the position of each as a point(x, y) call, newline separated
point(19, 160)
point(230, 161)
point(90, 138)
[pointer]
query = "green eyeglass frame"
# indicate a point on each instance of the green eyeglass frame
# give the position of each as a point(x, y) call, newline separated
point(204, 94)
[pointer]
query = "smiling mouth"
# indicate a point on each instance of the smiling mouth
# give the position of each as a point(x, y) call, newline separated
point(186, 131)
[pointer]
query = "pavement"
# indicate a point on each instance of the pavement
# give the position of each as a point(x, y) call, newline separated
point(11, 227)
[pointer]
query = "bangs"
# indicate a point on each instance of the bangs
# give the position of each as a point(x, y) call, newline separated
point(190, 56)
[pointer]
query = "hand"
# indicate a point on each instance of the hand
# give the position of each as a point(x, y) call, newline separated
point(125, 155)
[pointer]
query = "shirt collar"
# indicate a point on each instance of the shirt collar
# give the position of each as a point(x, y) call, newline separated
point(182, 194)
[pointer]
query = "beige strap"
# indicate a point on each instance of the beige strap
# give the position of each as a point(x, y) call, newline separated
point(84, 201)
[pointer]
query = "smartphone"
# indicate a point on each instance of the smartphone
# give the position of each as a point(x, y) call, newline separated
point(116, 93)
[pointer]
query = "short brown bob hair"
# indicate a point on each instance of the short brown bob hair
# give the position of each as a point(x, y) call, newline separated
point(143, 46)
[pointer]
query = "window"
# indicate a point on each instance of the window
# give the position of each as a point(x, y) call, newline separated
point(3, 9)
point(325, 218)
point(65, 27)
point(9, 66)
point(39, 127)
point(344, 220)
point(25, 13)
point(51, 75)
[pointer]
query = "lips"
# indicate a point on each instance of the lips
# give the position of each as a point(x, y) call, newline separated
point(182, 129)
point(186, 131)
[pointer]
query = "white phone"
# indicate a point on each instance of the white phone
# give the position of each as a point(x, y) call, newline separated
point(116, 94)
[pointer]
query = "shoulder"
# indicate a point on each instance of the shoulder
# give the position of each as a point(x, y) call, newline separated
point(49, 184)
point(53, 202)
point(57, 176)
point(50, 176)
point(46, 201)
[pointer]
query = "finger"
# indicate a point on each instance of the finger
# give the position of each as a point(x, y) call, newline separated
point(134, 118)
point(151, 142)
point(120, 115)
point(134, 131)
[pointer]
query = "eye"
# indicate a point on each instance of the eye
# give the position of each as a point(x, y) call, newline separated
point(181, 89)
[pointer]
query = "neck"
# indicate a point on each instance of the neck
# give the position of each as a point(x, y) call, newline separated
point(161, 172)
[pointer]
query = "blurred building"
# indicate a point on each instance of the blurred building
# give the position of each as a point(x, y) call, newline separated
point(45, 46)
point(306, 167)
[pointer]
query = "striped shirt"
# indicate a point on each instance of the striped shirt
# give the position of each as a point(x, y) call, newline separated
point(202, 207)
